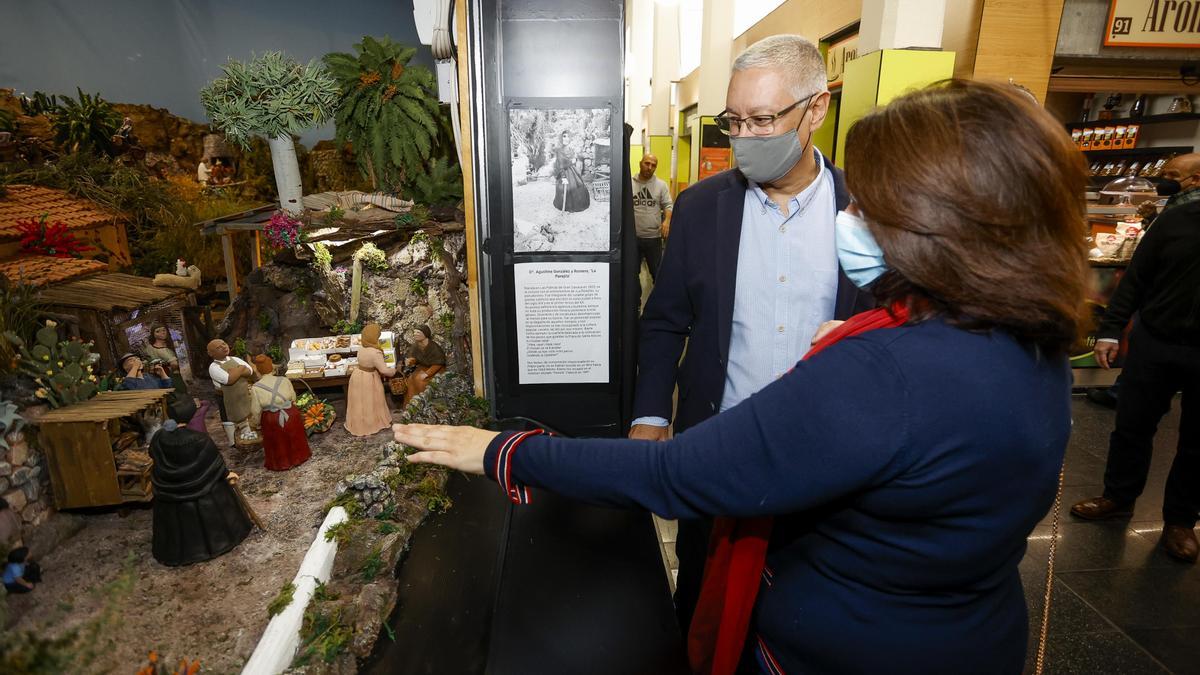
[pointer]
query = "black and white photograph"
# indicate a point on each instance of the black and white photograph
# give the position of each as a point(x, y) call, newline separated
point(561, 171)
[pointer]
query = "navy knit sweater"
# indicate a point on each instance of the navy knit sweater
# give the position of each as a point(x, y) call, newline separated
point(905, 466)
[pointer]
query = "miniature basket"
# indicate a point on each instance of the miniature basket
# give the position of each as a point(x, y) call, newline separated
point(398, 386)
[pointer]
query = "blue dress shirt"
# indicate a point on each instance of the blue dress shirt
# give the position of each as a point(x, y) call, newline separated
point(787, 276)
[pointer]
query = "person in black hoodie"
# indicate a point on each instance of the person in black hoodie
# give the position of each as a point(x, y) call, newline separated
point(197, 514)
point(1162, 285)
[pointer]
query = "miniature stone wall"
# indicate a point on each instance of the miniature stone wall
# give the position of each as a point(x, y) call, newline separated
point(24, 478)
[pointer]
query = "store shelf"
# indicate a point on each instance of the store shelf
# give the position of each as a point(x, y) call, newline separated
point(1139, 152)
point(1145, 119)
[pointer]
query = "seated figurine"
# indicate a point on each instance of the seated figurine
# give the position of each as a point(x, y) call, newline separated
point(21, 572)
point(198, 515)
point(136, 376)
point(426, 358)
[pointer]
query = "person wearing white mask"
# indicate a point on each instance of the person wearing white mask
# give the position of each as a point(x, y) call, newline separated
point(752, 270)
point(872, 505)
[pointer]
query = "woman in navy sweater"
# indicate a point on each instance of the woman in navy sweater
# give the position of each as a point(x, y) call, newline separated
point(905, 466)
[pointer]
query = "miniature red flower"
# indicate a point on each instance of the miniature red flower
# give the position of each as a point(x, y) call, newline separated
point(53, 240)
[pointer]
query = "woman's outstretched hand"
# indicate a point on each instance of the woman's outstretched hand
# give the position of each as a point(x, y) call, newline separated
point(459, 448)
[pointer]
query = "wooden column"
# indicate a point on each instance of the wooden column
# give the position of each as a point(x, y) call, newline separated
point(464, 107)
point(230, 264)
point(1017, 39)
point(256, 251)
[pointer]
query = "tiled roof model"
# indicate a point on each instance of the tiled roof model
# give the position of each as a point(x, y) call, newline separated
point(30, 202)
point(41, 270)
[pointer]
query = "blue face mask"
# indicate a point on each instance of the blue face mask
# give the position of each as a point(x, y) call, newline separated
point(860, 257)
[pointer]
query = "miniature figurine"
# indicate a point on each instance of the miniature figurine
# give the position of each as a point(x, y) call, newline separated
point(158, 350)
point(21, 572)
point(367, 409)
point(203, 173)
point(136, 376)
point(181, 268)
point(198, 514)
point(285, 444)
point(233, 375)
point(427, 359)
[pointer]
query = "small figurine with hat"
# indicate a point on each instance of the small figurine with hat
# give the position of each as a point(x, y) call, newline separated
point(136, 376)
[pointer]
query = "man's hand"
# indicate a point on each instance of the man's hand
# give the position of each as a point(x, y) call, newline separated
point(159, 371)
point(824, 329)
point(1106, 353)
point(649, 432)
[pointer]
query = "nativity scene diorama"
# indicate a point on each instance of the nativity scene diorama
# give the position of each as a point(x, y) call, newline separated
point(207, 331)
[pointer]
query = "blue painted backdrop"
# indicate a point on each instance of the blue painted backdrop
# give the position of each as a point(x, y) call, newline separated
point(162, 52)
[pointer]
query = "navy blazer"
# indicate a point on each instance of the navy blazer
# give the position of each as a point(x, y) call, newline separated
point(692, 301)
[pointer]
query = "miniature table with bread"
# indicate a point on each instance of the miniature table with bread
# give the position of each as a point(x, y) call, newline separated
point(326, 362)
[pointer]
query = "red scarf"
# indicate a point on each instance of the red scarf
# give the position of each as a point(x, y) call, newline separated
point(737, 550)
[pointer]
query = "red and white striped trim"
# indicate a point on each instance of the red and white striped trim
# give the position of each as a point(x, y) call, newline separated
point(517, 494)
point(768, 575)
point(768, 659)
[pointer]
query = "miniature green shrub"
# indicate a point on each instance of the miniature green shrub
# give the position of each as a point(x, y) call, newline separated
point(322, 257)
point(282, 600)
point(441, 186)
point(417, 286)
point(372, 565)
point(324, 634)
point(19, 307)
point(372, 257)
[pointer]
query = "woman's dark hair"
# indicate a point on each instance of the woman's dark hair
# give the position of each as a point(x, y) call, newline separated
point(154, 328)
point(18, 554)
point(976, 196)
point(426, 332)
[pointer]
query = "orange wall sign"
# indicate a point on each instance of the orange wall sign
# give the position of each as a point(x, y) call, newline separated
point(712, 162)
point(1153, 23)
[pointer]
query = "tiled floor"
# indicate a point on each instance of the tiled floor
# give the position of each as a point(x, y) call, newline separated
point(1119, 604)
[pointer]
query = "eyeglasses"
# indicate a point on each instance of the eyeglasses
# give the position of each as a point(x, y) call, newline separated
point(759, 125)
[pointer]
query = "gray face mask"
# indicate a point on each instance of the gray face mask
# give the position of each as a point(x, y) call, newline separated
point(767, 158)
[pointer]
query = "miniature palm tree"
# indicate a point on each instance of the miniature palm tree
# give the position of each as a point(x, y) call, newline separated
point(388, 111)
point(86, 124)
point(273, 96)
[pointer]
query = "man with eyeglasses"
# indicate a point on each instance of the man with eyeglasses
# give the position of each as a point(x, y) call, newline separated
point(752, 271)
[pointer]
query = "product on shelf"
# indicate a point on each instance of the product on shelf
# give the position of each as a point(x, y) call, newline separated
point(1131, 134)
point(1086, 138)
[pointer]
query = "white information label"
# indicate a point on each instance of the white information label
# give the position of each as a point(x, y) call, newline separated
point(562, 322)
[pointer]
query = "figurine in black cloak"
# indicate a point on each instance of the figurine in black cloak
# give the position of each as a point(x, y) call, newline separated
point(197, 513)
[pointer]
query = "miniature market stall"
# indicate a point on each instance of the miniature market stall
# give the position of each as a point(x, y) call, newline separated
point(96, 451)
point(328, 361)
point(253, 221)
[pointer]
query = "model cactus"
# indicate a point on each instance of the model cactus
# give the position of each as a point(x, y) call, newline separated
point(62, 369)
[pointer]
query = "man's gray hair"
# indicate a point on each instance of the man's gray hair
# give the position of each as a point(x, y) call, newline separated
point(794, 56)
